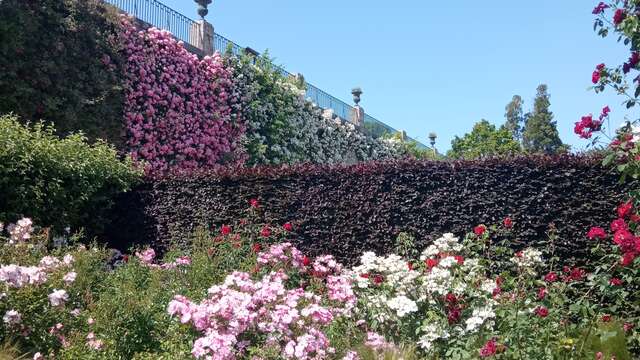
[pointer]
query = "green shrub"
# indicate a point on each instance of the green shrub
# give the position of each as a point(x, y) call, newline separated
point(58, 182)
point(59, 62)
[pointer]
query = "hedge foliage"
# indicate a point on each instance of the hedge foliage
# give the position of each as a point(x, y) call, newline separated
point(345, 210)
point(58, 182)
point(58, 62)
point(285, 128)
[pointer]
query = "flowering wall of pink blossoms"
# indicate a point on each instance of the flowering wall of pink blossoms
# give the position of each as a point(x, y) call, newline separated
point(177, 107)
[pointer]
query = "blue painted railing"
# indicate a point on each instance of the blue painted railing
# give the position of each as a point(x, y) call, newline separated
point(159, 15)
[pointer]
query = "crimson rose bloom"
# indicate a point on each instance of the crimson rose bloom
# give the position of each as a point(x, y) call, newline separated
point(479, 230)
point(551, 277)
point(596, 233)
point(507, 222)
point(288, 227)
point(625, 209)
point(619, 16)
point(606, 318)
point(378, 279)
point(257, 247)
point(595, 77)
point(225, 230)
point(619, 224)
point(254, 203)
point(489, 349)
point(431, 263)
point(542, 311)
point(265, 232)
point(542, 293)
point(615, 282)
point(306, 262)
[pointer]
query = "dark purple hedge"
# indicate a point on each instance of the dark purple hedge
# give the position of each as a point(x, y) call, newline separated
point(345, 210)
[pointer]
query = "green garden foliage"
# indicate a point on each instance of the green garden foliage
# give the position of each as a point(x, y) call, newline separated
point(484, 141)
point(58, 182)
point(58, 62)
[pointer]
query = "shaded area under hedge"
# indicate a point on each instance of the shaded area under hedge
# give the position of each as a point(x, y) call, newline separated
point(345, 210)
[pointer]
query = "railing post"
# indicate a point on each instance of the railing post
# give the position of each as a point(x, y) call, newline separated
point(357, 113)
point(201, 33)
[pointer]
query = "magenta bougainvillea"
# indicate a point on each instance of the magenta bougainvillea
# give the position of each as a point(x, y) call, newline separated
point(177, 106)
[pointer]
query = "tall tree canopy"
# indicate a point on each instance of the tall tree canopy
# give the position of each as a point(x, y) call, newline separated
point(514, 116)
point(484, 140)
point(540, 134)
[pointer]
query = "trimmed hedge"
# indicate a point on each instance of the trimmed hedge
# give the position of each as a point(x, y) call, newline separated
point(345, 210)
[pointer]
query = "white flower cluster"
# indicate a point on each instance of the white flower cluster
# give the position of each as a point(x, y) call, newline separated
point(390, 290)
point(402, 305)
point(445, 244)
point(528, 258)
point(478, 318)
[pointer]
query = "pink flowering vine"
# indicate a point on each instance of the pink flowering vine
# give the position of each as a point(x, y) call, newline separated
point(177, 107)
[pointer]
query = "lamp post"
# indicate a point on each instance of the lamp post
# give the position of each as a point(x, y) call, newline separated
point(432, 137)
point(202, 7)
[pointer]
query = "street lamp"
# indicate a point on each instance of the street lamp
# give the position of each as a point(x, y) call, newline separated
point(202, 7)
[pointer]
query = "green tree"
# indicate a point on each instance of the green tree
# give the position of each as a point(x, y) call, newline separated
point(540, 134)
point(515, 117)
point(484, 140)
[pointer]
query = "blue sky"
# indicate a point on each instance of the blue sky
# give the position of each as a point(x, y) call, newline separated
point(432, 66)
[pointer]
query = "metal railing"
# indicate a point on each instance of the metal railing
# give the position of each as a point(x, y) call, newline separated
point(161, 16)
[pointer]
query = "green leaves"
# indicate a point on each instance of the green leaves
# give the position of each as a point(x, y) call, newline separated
point(58, 182)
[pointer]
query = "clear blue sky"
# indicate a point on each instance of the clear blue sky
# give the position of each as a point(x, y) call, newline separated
point(432, 65)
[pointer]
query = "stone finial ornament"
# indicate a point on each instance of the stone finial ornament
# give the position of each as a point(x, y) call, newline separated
point(356, 95)
point(202, 7)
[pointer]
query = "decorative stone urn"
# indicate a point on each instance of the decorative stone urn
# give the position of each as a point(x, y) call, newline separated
point(202, 7)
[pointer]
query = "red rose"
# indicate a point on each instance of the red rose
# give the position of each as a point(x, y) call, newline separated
point(600, 67)
point(254, 203)
point(489, 349)
point(378, 279)
point(453, 315)
point(409, 265)
point(265, 232)
point(542, 293)
point(459, 259)
point(551, 277)
point(635, 218)
point(257, 247)
point(499, 280)
point(625, 209)
point(542, 311)
point(615, 282)
point(451, 298)
point(599, 9)
point(619, 224)
point(125, 258)
point(431, 263)
point(627, 326)
point(619, 16)
point(576, 274)
point(225, 230)
point(479, 230)
point(364, 276)
point(606, 318)
point(507, 222)
point(496, 291)
point(596, 233)
point(288, 227)
point(627, 259)
point(595, 77)
point(306, 261)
